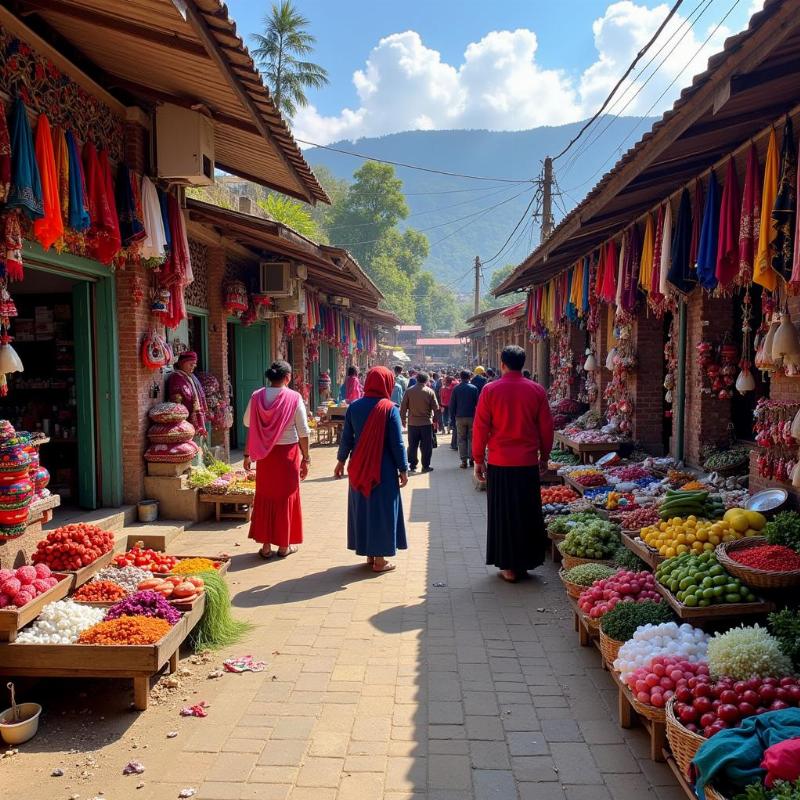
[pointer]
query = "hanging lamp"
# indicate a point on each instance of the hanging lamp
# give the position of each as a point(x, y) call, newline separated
point(785, 342)
point(610, 359)
point(590, 365)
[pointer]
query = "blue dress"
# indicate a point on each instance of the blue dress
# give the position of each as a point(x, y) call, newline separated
point(375, 524)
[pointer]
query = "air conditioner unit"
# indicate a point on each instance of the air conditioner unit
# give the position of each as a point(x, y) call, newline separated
point(295, 303)
point(275, 278)
point(184, 145)
point(300, 272)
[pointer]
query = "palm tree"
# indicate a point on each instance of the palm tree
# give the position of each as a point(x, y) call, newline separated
point(278, 51)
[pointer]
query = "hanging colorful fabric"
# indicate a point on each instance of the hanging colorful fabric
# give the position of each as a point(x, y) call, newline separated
point(49, 228)
point(25, 191)
point(784, 211)
point(78, 217)
point(12, 246)
point(646, 262)
point(154, 244)
point(608, 291)
point(750, 217)
point(728, 239)
point(697, 222)
point(175, 275)
point(795, 279)
point(763, 272)
point(5, 155)
point(665, 261)
point(586, 285)
point(113, 243)
point(707, 248)
point(630, 277)
point(680, 274)
point(131, 228)
point(61, 158)
point(156, 351)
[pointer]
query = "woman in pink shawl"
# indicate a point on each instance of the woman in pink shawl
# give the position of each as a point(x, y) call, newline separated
point(353, 390)
point(277, 440)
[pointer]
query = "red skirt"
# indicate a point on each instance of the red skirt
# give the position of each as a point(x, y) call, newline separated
point(277, 517)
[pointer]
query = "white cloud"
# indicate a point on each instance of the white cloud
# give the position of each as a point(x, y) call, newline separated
point(499, 85)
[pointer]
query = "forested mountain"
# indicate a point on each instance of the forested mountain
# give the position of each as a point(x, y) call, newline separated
point(463, 218)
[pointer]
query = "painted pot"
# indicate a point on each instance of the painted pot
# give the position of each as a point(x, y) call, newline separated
point(171, 432)
point(9, 517)
point(14, 460)
point(167, 412)
point(41, 479)
point(13, 531)
point(16, 495)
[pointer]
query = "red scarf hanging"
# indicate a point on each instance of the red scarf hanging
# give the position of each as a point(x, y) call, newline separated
point(728, 237)
point(364, 471)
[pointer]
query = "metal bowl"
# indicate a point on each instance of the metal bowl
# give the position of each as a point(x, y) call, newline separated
point(767, 501)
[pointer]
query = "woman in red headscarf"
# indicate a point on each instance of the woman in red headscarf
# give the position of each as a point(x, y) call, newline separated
point(373, 440)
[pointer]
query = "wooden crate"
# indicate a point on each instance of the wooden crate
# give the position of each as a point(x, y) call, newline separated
point(137, 662)
point(224, 561)
point(629, 715)
point(12, 620)
point(242, 505)
point(635, 545)
point(80, 576)
point(587, 633)
point(699, 614)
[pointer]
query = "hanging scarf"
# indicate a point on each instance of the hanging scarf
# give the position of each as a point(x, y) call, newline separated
point(5, 155)
point(12, 246)
point(795, 280)
point(658, 241)
point(608, 291)
point(61, 156)
point(697, 221)
point(25, 191)
point(99, 238)
point(623, 246)
point(665, 262)
point(630, 268)
point(78, 218)
point(728, 240)
point(154, 245)
point(177, 268)
point(763, 273)
point(707, 249)
point(680, 273)
point(784, 211)
point(267, 423)
point(586, 283)
point(131, 228)
point(646, 263)
point(750, 217)
point(49, 228)
point(163, 199)
point(115, 239)
point(364, 471)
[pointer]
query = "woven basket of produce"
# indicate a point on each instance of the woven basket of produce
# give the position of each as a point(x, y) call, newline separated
point(648, 711)
point(573, 561)
point(573, 589)
point(609, 648)
point(682, 742)
point(752, 576)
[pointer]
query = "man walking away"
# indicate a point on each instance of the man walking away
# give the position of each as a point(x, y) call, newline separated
point(417, 411)
point(513, 420)
point(479, 379)
point(445, 393)
point(399, 388)
point(462, 411)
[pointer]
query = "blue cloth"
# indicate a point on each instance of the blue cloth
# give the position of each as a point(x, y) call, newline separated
point(464, 400)
point(707, 249)
point(342, 393)
point(25, 191)
point(412, 382)
point(397, 394)
point(375, 524)
point(163, 200)
point(78, 217)
point(733, 756)
point(479, 382)
point(130, 226)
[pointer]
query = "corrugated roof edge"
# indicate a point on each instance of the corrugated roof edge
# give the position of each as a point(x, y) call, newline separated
point(730, 46)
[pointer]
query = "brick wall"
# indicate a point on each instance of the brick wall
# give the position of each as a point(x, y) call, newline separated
point(646, 386)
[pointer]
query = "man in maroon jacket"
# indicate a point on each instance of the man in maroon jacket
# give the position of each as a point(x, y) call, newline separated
point(513, 422)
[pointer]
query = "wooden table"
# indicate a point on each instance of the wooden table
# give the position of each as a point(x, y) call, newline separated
point(628, 717)
point(587, 452)
point(650, 556)
point(242, 505)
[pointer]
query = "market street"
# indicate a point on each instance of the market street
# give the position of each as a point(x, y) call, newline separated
point(436, 681)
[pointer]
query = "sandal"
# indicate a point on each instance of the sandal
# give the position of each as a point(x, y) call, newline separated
point(508, 576)
point(385, 567)
point(266, 556)
point(370, 560)
point(291, 549)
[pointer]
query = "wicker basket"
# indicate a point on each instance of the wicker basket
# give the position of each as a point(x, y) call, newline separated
point(573, 561)
point(650, 712)
point(755, 578)
point(713, 794)
point(682, 742)
point(573, 589)
point(609, 648)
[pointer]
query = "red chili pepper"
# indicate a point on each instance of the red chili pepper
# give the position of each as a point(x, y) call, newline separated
point(768, 557)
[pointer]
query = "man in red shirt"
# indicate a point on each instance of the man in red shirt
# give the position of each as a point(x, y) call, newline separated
point(513, 422)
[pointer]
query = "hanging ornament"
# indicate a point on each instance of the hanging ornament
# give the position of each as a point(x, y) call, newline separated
point(590, 365)
point(610, 359)
point(785, 342)
point(767, 357)
point(137, 290)
point(745, 382)
point(236, 301)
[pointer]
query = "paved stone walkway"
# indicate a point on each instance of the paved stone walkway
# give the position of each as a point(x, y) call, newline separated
point(435, 682)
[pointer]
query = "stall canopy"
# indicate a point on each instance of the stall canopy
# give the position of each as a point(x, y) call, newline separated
point(754, 79)
point(185, 52)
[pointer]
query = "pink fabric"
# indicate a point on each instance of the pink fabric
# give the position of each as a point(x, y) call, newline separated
point(268, 423)
point(782, 762)
point(352, 389)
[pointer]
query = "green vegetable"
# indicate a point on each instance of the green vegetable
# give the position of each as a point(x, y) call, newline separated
point(782, 790)
point(622, 621)
point(200, 477)
point(627, 559)
point(565, 524)
point(217, 627)
point(743, 652)
point(784, 529)
point(785, 627)
point(595, 538)
point(701, 581)
point(587, 574)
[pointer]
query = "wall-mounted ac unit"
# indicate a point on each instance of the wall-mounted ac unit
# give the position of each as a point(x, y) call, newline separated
point(184, 145)
point(275, 278)
point(294, 303)
point(300, 271)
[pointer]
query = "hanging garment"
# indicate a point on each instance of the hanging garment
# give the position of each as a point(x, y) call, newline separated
point(587, 269)
point(707, 248)
point(163, 199)
point(784, 211)
point(5, 155)
point(623, 245)
point(750, 217)
point(25, 191)
point(697, 222)
point(680, 274)
point(608, 291)
point(79, 219)
point(115, 239)
point(131, 228)
point(646, 262)
point(154, 244)
point(49, 228)
point(630, 269)
point(12, 246)
point(658, 243)
point(763, 272)
point(795, 279)
point(665, 262)
point(102, 238)
point(175, 273)
point(61, 156)
point(728, 238)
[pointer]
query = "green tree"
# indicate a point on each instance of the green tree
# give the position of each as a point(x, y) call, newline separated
point(498, 276)
point(289, 212)
point(435, 306)
point(335, 188)
point(408, 249)
point(279, 51)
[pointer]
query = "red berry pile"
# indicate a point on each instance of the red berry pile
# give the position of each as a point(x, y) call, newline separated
point(20, 586)
point(73, 546)
point(639, 518)
point(768, 557)
point(707, 707)
point(145, 558)
point(590, 479)
point(663, 677)
point(622, 587)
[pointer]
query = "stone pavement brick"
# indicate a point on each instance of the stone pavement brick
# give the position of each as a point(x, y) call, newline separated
point(489, 755)
point(575, 763)
point(231, 767)
point(449, 772)
point(407, 774)
point(540, 791)
point(527, 743)
point(286, 753)
point(614, 758)
point(534, 768)
point(320, 772)
point(561, 730)
point(293, 728)
point(281, 775)
point(493, 784)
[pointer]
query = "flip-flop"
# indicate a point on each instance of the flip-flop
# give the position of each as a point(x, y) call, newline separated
point(387, 567)
point(507, 579)
point(370, 560)
point(265, 556)
point(292, 549)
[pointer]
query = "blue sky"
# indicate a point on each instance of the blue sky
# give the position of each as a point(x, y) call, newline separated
point(505, 64)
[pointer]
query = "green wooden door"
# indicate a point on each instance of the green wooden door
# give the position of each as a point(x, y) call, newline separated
point(251, 351)
point(84, 395)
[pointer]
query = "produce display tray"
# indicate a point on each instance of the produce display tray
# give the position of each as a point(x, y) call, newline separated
point(635, 545)
point(581, 490)
point(80, 576)
point(586, 634)
point(138, 662)
point(699, 613)
point(629, 715)
point(224, 561)
point(12, 620)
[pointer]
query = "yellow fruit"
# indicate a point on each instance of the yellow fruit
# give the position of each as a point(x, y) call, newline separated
point(691, 518)
point(739, 522)
point(731, 513)
point(708, 546)
point(670, 552)
point(713, 540)
point(755, 520)
point(682, 548)
point(691, 538)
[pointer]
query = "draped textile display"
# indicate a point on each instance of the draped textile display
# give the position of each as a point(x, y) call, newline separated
point(763, 271)
point(728, 237)
point(707, 247)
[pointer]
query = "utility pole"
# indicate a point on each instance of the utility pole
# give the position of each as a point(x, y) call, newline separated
point(547, 200)
point(477, 284)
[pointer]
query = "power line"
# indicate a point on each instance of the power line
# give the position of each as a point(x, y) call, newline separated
point(510, 235)
point(619, 83)
point(415, 166)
